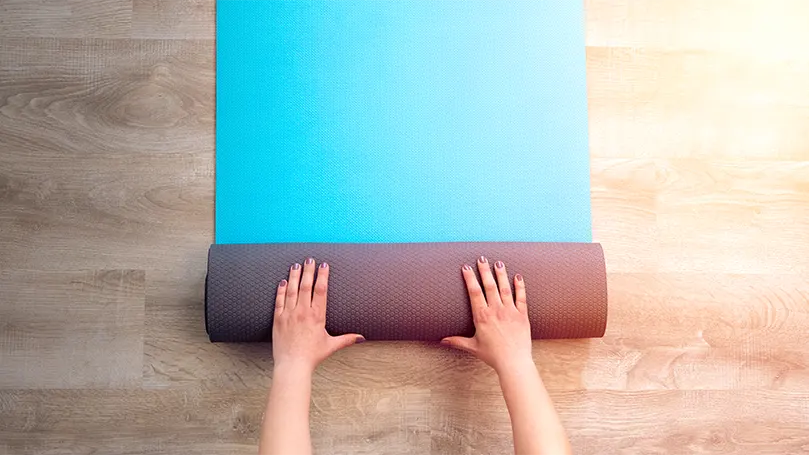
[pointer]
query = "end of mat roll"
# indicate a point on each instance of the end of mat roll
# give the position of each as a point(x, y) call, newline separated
point(406, 291)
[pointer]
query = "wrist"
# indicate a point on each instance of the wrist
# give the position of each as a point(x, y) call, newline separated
point(516, 368)
point(294, 370)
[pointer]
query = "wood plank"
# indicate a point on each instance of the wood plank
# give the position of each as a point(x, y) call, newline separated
point(71, 329)
point(366, 420)
point(174, 19)
point(706, 421)
point(192, 421)
point(702, 331)
point(66, 18)
point(734, 217)
point(773, 29)
point(202, 420)
point(94, 97)
point(456, 419)
point(107, 157)
point(694, 215)
point(662, 103)
point(624, 198)
point(473, 421)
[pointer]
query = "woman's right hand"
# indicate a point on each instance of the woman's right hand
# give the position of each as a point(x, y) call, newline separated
point(502, 332)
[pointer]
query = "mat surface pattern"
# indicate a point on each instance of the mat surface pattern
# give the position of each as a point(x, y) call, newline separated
point(406, 291)
point(401, 121)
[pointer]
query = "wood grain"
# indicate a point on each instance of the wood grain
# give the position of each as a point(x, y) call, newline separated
point(66, 18)
point(700, 193)
point(107, 152)
point(753, 29)
point(174, 19)
point(660, 103)
point(403, 420)
point(71, 329)
point(693, 215)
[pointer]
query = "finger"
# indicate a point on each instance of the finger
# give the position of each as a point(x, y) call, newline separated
point(321, 289)
point(475, 292)
point(489, 285)
point(279, 297)
point(503, 283)
point(462, 343)
point(307, 280)
point(292, 287)
point(519, 289)
point(344, 341)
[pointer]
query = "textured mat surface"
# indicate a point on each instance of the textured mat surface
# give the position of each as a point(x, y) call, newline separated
point(406, 291)
point(401, 121)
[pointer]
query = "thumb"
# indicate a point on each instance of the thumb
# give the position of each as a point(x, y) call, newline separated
point(462, 343)
point(344, 341)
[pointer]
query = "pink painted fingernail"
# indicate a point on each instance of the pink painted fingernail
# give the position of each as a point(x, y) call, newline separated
point(360, 339)
point(518, 277)
point(482, 259)
point(467, 267)
point(499, 264)
point(309, 260)
point(283, 283)
point(296, 266)
point(323, 265)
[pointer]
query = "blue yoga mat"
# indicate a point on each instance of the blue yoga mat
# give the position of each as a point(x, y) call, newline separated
point(401, 121)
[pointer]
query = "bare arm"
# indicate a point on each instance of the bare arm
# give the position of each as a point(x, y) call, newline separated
point(299, 343)
point(534, 421)
point(503, 340)
point(286, 419)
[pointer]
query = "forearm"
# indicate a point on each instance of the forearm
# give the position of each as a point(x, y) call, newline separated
point(534, 421)
point(286, 420)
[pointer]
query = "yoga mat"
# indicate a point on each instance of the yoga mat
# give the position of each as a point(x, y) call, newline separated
point(401, 121)
point(406, 291)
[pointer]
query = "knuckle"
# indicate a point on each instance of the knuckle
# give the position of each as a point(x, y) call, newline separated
point(320, 289)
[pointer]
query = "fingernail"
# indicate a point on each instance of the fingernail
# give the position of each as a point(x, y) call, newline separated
point(309, 260)
point(323, 265)
point(360, 339)
point(283, 283)
point(445, 342)
point(296, 266)
point(499, 264)
point(467, 267)
point(482, 259)
point(518, 277)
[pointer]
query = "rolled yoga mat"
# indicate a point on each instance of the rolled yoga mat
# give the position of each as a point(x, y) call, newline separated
point(406, 291)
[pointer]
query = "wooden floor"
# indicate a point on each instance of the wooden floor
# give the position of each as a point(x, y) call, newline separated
point(699, 122)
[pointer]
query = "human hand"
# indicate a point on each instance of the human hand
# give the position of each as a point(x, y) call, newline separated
point(502, 332)
point(299, 337)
